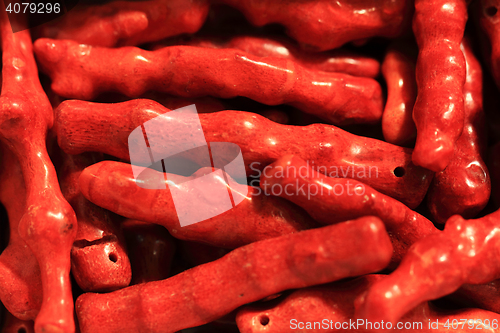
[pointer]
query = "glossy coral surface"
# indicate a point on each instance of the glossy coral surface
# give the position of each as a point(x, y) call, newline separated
point(48, 224)
point(83, 72)
point(439, 109)
point(244, 275)
point(83, 126)
point(464, 253)
point(398, 69)
point(333, 200)
point(112, 185)
point(332, 306)
point(464, 187)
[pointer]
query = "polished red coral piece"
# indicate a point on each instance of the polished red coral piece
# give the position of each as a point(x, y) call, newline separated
point(128, 22)
point(339, 60)
point(246, 274)
point(439, 109)
point(48, 224)
point(83, 72)
point(398, 69)
point(324, 25)
point(332, 306)
point(318, 25)
point(464, 186)
point(320, 203)
point(112, 185)
point(83, 126)
point(466, 252)
point(333, 200)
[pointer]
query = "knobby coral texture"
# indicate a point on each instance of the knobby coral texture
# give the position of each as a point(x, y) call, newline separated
point(332, 160)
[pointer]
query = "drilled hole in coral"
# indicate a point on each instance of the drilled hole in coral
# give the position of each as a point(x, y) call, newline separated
point(399, 172)
point(491, 11)
point(113, 257)
point(264, 320)
point(21, 330)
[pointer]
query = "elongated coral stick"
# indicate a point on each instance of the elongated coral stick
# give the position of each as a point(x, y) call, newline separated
point(466, 252)
point(341, 61)
point(464, 187)
point(330, 308)
point(48, 225)
point(324, 25)
point(83, 126)
point(439, 109)
point(111, 185)
point(318, 25)
point(207, 292)
point(398, 69)
point(332, 200)
point(83, 72)
point(128, 22)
